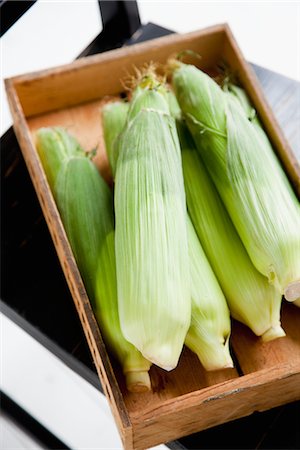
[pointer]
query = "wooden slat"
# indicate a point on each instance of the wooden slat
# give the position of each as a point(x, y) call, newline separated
point(219, 404)
point(93, 77)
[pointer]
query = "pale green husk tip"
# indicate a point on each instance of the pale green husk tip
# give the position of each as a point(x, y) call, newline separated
point(292, 292)
point(273, 332)
point(138, 381)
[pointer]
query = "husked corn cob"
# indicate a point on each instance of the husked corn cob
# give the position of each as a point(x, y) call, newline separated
point(151, 237)
point(251, 299)
point(247, 175)
point(208, 335)
point(85, 203)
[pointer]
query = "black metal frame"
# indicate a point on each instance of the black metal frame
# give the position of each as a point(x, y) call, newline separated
point(11, 11)
point(120, 19)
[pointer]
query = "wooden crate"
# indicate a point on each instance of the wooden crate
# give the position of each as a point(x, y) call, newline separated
point(187, 399)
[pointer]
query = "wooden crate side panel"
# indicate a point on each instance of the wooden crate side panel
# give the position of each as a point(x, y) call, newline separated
point(70, 269)
point(233, 55)
point(94, 77)
point(210, 407)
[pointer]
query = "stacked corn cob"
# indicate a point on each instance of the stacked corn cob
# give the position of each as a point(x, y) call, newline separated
point(86, 207)
point(198, 220)
point(247, 175)
point(208, 334)
point(151, 247)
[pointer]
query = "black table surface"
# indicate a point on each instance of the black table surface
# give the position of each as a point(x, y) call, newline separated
point(33, 288)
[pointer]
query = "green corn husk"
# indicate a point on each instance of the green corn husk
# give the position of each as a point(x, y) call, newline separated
point(208, 335)
point(148, 95)
point(85, 203)
point(251, 299)
point(209, 332)
point(113, 118)
point(151, 237)
point(174, 107)
point(242, 99)
point(247, 175)
point(55, 146)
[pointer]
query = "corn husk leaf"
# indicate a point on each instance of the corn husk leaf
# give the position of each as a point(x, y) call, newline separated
point(148, 98)
point(114, 117)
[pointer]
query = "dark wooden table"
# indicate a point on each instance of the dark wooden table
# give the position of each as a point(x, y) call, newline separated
point(30, 268)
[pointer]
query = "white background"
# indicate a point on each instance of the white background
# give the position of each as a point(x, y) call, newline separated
point(52, 33)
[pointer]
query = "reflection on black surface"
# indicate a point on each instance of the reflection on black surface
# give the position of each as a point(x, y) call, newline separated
point(277, 428)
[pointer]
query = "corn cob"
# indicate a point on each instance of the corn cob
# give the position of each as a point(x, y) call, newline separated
point(251, 299)
point(151, 237)
point(209, 332)
point(85, 203)
point(243, 100)
point(247, 175)
point(55, 146)
point(208, 335)
point(113, 119)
